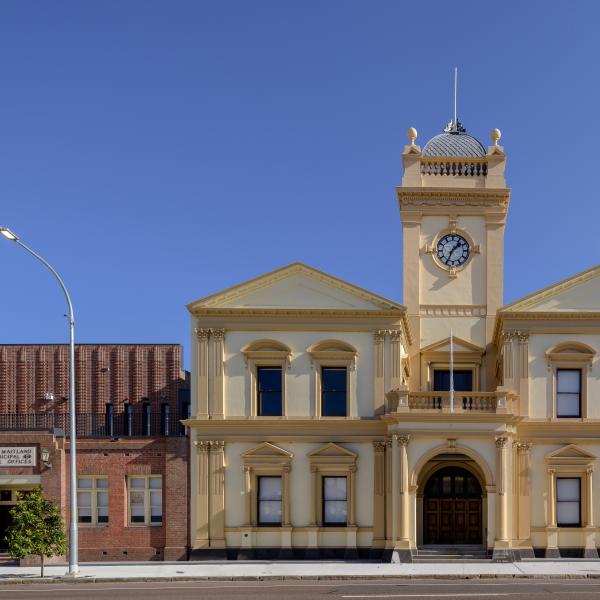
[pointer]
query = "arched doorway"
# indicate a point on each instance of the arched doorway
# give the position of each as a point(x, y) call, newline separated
point(452, 507)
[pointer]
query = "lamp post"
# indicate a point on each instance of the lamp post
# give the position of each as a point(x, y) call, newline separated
point(73, 530)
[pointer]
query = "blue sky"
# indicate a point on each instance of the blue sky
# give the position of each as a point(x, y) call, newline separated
point(156, 152)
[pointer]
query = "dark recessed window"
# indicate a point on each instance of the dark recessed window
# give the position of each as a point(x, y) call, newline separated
point(269, 391)
point(463, 380)
point(568, 502)
point(335, 501)
point(568, 392)
point(333, 392)
point(269, 501)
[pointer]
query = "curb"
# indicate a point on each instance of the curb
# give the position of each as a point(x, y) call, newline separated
point(257, 578)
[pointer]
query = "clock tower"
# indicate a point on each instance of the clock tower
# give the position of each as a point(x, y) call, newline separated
point(453, 204)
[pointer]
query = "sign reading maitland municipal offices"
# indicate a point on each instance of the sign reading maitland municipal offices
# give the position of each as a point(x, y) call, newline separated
point(17, 456)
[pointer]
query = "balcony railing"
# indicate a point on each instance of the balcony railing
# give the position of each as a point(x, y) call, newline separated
point(99, 425)
point(464, 402)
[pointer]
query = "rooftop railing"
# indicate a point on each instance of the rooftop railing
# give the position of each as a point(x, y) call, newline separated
point(454, 168)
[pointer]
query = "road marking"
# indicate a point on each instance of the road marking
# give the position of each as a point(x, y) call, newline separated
point(457, 595)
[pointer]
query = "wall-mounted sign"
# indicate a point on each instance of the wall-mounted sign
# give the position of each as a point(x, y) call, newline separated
point(17, 456)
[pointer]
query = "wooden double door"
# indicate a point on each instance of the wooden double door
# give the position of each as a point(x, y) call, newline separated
point(452, 508)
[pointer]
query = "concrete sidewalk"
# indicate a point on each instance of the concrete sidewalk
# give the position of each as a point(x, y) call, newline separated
point(255, 570)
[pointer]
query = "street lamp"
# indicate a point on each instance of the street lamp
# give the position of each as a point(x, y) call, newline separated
point(73, 531)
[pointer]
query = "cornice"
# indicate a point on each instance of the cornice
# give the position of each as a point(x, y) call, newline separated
point(266, 429)
point(296, 312)
point(538, 317)
point(480, 200)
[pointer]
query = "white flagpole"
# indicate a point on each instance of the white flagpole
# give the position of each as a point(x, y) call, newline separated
point(451, 372)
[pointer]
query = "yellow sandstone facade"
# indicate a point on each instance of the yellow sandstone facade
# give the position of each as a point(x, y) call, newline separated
point(322, 420)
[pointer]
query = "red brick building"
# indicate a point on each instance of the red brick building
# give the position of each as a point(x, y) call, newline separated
point(132, 452)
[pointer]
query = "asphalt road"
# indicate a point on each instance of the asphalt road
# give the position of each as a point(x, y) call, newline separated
point(318, 590)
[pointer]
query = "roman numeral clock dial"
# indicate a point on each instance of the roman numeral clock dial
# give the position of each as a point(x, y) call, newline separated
point(453, 250)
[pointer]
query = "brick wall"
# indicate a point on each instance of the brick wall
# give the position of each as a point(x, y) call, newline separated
point(104, 373)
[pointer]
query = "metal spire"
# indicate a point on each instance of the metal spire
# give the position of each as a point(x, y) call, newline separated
point(455, 126)
point(455, 91)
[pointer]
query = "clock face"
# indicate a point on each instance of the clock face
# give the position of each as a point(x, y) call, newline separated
point(453, 250)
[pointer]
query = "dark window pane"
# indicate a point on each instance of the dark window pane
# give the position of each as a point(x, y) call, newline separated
point(137, 518)
point(85, 519)
point(463, 380)
point(102, 518)
point(333, 392)
point(269, 380)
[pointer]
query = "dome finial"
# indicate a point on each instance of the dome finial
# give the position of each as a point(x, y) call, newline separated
point(412, 135)
point(496, 135)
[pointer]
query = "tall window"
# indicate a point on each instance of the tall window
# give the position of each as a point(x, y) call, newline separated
point(92, 500)
point(145, 499)
point(269, 501)
point(269, 396)
point(568, 392)
point(334, 391)
point(568, 501)
point(147, 423)
point(335, 501)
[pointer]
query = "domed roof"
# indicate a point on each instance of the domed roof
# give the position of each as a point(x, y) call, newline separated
point(454, 142)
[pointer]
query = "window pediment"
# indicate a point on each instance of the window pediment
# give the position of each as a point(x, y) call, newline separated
point(266, 350)
point(266, 454)
point(331, 454)
point(332, 350)
point(570, 455)
point(570, 352)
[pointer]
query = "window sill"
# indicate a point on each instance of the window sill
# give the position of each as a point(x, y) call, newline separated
point(138, 525)
point(92, 525)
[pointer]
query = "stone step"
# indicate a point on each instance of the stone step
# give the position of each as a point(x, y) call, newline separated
point(450, 559)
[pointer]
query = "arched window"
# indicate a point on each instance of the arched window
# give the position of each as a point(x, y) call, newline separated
point(568, 363)
point(267, 361)
point(333, 361)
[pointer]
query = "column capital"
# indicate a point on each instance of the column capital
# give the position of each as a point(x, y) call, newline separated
point(202, 446)
point(403, 439)
point(523, 336)
point(395, 335)
point(522, 447)
point(501, 442)
point(379, 446)
point(219, 445)
point(218, 334)
point(379, 336)
point(202, 333)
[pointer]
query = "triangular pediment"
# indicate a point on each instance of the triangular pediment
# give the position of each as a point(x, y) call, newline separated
point(580, 293)
point(570, 452)
point(267, 450)
point(332, 450)
point(296, 286)
point(459, 345)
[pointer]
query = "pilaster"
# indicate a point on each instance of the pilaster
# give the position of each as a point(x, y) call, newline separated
point(551, 527)
point(379, 494)
point(217, 393)
point(522, 500)
point(202, 538)
point(203, 336)
point(523, 373)
point(379, 372)
point(217, 494)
